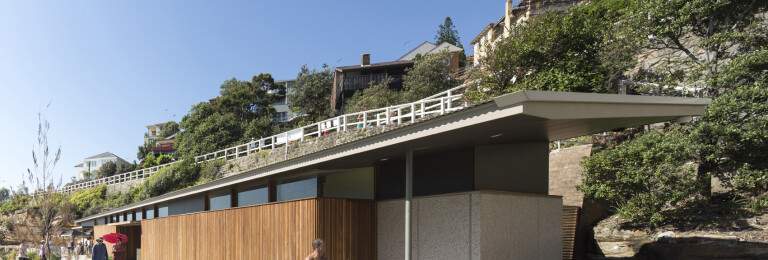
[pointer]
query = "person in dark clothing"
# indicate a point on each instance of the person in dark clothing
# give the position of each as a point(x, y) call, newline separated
point(99, 250)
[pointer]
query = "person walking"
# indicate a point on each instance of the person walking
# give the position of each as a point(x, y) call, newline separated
point(43, 253)
point(118, 250)
point(99, 251)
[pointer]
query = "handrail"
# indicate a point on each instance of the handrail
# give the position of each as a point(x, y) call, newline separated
point(437, 104)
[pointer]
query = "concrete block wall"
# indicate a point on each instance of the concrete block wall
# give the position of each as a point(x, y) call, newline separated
point(473, 225)
point(565, 173)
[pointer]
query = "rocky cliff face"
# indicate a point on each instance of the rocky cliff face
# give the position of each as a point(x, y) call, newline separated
point(611, 241)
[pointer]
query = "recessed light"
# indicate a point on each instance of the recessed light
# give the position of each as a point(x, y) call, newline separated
point(496, 135)
point(384, 159)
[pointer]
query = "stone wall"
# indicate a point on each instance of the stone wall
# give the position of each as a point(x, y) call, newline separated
point(565, 173)
point(124, 187)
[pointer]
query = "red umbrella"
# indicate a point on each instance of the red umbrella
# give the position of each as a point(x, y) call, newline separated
point(113, 237)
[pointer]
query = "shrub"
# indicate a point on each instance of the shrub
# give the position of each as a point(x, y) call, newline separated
point(171, 178)
point(163, 159)
point(644, 176)
point(83, 199)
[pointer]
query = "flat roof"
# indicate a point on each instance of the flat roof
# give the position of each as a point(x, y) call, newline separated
point(516, 117)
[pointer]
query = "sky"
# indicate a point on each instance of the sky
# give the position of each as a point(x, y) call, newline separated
point(110, 68)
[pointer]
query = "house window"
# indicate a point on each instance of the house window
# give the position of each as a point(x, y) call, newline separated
point(150, 213)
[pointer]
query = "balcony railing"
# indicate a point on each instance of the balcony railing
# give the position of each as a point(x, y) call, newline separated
point(438, 104)
point(363, 81)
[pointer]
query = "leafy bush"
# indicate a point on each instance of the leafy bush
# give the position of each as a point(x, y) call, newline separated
point(644, 176)
point(83, 199)
point(163, 159)
point(171, 178)
point(149, 161)
point(107, 169)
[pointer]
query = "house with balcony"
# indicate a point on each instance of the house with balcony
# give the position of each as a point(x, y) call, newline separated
point(153, 132)
point(514, 17)
point(95, 162)
point(349, 79)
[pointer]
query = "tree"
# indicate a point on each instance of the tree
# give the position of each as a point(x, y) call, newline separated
point(145, 150)
point(163, 159)
point(693, 38)
point(169, 128)
point(48, 211)
point(243, 111)
point(428, 76)
point(311, 94)
point(376, 96)
point(572, 52)
point(125, 167)
point(448, 33)
point(641, 176)
point(5, 194)
point(107, 169)
point(731, 136)
point(248, 100)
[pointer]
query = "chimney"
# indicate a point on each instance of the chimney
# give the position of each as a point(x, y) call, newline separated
point(366, 59)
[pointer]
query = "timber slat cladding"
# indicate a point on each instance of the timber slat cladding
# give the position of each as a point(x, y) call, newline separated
point(282, 230)
point(570, 225)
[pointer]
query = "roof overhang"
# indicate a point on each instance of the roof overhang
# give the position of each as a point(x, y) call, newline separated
point(522, 116)
point(126, 224)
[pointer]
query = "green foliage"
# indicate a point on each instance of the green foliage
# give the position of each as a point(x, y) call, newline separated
point(312, 93)
point(211, 170)
point(704, 33)
point(171, 178)
point(574, 52)
point(145, 149)
point(375, 96)
point(125, 167)
point(447, 33)
point(83, 199)
point(241, 112)
point(149, 161)
point(18, 201)
point(643, 175)
point(5, 194)
point(429, 76)
point(163, 159)
point(107, 169)
point(170, 128)
point(732, 135)
point(759, 205)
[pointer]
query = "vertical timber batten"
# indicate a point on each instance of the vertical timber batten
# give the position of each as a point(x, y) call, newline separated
point(282, 230)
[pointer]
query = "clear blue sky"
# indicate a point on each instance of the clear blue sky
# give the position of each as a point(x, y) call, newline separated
point(110, 68)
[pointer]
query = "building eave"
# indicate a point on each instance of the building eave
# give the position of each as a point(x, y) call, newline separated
point(515, 117)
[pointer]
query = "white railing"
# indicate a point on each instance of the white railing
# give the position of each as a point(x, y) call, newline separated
point(117, 178)
point(438, 104)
